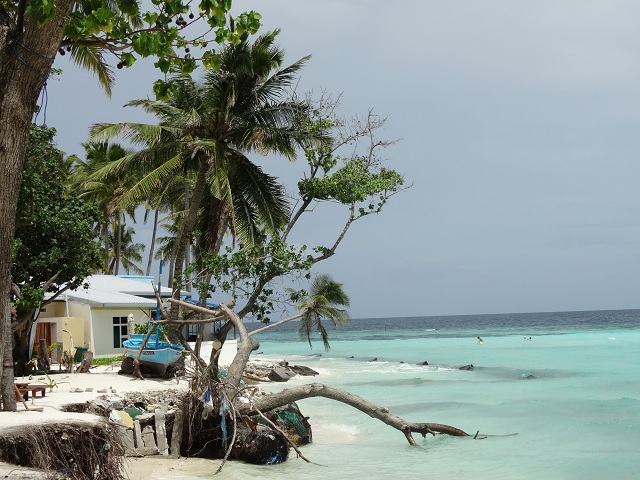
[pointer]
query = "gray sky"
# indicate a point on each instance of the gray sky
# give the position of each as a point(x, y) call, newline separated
point(519, 127)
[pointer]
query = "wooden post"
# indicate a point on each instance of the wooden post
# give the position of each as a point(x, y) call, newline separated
point(44, 362)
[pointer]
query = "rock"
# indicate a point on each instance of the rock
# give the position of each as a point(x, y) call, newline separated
point(281, 374)
point(304, 371)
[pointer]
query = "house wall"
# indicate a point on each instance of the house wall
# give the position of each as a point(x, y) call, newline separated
point(89, 326)
point(55, 309)
point(63, 328)
point(83, 311)
point(102, 325)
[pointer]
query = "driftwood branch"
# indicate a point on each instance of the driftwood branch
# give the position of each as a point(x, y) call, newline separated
point(272, 401)
point(136, 360)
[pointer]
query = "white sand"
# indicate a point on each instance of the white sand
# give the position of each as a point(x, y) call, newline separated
point(146, 468)
point(66, 393)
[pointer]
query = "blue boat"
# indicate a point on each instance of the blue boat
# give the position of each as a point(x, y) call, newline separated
point(156, 357)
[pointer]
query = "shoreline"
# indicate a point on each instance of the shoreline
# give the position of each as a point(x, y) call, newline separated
point(102, 384)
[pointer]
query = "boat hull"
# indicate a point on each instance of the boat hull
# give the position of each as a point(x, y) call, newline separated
point(156, 355)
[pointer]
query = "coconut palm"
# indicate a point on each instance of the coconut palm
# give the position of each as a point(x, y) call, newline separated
point(130, 253)
point(326, 296)
point(210, 129)
point(105, 194)
point(172, 200)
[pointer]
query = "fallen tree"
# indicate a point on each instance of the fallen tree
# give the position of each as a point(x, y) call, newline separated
point(362, 184)
point(269, 402)
point(231, 386)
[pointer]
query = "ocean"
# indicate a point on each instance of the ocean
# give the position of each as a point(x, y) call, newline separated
point(557, 396)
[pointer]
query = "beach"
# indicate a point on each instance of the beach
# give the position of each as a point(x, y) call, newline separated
point(77, 388)
point(555, 395)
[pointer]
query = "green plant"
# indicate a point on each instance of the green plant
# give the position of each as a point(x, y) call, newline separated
point(50, 382)
point(142, 328)
point(106, 361)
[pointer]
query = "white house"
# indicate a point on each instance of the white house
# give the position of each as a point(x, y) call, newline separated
point(97, 317)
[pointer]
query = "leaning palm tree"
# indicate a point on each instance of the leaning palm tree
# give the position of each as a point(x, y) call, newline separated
point(210, 129)
point(326, 296)
point(323, 302)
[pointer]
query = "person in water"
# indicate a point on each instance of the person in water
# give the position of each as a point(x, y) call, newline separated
point(480, 341)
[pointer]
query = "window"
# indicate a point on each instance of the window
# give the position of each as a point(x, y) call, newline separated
point(192, 333)
point(120, 331)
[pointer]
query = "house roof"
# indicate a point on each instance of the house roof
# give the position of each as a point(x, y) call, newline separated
point(116, 291)
point(103, 298)
point(141, 286)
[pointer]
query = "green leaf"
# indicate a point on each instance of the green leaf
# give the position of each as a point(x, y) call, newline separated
point(130, 7)
point(163, 64)
point(102, 14)
point(211, 61)
point(161, 90)
point(127, 59)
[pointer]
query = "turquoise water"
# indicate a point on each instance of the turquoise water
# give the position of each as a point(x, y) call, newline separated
point(579, 418)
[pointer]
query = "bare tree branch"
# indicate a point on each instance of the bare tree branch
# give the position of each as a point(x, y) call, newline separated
point(269, 402)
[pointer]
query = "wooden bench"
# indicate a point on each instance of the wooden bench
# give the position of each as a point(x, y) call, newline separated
point(25, 388)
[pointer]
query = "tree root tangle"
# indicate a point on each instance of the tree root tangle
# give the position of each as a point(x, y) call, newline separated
point(77, 451)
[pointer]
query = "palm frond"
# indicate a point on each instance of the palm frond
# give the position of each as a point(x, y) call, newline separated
point(90, 58)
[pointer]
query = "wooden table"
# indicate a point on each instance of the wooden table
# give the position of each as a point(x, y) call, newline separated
point(25, 388)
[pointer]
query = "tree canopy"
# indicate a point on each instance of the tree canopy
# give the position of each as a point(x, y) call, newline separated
point(97, 34)
point(55, 246)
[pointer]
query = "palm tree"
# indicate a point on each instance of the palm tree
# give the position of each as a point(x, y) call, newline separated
point(129, 252)
point(105, 193)
point(209, 130)
point(325, 298)
point(172, 198)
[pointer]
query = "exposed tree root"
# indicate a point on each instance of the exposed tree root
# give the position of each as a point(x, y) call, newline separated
point(78, 451)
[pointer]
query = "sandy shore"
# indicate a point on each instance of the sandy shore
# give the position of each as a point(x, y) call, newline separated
point(163, 468)
point(83, 387)
point(80, 388)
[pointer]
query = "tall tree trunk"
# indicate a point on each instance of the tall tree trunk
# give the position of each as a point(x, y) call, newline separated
point(187, 255)
point(105, 251)
point(22, 341)
point(181, 242)
point(153, 241)
point(26, 54)
point(118, 242)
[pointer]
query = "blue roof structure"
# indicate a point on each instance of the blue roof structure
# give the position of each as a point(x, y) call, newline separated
point(198, 302)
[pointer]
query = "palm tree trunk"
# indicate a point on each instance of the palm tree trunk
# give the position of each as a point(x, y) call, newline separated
point(118, 242)
point(187, 257)
point(181, 242)
point(105, 241)
point(153, 241)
